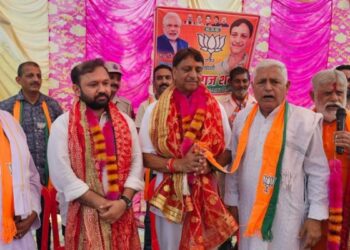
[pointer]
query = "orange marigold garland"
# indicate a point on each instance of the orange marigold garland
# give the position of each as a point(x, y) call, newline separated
point(104, 150)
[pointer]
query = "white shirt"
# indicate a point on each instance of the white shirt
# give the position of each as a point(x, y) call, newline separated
point(147, 146)
point(305, 173)
point(61, 173)
point(174, 45)
point(142, 109)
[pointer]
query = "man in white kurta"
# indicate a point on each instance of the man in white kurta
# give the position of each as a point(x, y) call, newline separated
point(238, 99)
point(303, 198)
point(26, 187)
point(171, 230)
point(62, 175)
point(187, 82)
point(92, 85)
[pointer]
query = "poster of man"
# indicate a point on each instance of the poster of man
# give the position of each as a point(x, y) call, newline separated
point(225, 39)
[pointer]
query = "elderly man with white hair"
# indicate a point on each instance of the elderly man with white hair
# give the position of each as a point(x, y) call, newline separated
point(279, 185)
point(329, 94)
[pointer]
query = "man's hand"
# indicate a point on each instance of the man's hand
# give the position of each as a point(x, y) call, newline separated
point(204, 167)
point(113, 210)
point(24, 225)
point(190, 163)
point(342, 139)
point(311, 232)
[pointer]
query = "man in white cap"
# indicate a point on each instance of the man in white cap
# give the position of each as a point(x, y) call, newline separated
point(115, 73)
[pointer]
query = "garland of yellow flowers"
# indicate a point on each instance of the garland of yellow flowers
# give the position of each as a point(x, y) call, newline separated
point(193, 126)
point(99, 148)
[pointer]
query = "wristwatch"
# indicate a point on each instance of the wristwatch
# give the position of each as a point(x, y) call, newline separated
point(127, 201)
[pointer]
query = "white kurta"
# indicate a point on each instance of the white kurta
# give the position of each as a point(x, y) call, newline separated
point(27, 241)
point(169, 234)
point(61, 173)
point(31, 181)
point(303, 190)
point(141, 111)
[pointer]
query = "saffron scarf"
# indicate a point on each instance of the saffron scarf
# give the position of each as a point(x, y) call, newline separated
point(18, 114)
point(21, 167)
point(8, 223)
point(177, 124)
point(339, 190)
point(87, 231)
point(264, 208)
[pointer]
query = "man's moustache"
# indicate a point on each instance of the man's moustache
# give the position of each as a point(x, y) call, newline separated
point(163, 85)
point(102, 95)
point(336, 104)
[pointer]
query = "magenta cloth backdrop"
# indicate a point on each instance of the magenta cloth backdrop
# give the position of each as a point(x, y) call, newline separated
point(307, 36)
point(299, 37)
point(262, 40)
point(122, 31)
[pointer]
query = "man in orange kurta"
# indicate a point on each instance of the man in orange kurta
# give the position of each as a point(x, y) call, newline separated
point(329, 93)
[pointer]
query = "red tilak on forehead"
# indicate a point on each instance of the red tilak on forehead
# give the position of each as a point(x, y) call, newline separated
point(335, 86)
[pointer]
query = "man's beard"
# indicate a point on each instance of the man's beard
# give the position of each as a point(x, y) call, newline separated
point(328, 115)
point(95, 104)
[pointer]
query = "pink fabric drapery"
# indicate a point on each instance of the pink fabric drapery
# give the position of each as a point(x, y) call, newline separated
point(66, 46)
point(339, 44)
point(261, 45)
point(122, 31)
point(299, 37)
point(298, 33)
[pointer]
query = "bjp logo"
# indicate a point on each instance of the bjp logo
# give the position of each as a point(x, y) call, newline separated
point(211, 44)
point(269, 182)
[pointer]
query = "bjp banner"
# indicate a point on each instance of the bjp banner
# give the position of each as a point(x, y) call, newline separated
point(225, 39)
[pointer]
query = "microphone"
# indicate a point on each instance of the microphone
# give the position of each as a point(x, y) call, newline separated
point(340, 115)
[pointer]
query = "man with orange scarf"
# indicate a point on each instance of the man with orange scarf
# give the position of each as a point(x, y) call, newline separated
point(35, 112)
point(96, 162)
point(329, 94)
point(177, 133)
point(20, 188)
point(279, 185)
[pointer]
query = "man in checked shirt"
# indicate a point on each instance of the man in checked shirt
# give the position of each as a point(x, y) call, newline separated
point(35, 112)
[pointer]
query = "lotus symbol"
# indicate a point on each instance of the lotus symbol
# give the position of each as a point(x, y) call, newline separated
point(211, 44)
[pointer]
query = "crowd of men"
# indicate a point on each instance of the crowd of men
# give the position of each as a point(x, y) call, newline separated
point(252, 165)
